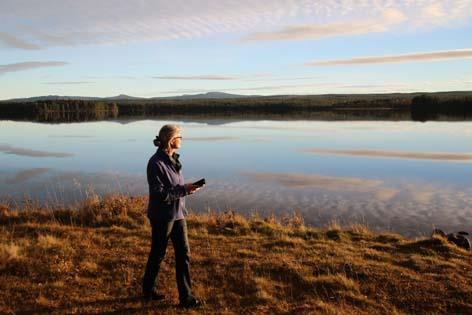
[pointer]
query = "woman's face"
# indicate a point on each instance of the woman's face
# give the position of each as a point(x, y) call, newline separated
point(176, 141)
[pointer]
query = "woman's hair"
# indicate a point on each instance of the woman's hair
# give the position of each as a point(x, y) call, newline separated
point(166, 134)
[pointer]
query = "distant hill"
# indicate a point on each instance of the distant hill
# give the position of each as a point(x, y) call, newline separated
point(51, 98)
point(124, 97)
point(221, 95)
point(210, 95)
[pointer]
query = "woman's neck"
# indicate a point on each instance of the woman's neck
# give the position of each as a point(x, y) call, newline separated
point(169, 151)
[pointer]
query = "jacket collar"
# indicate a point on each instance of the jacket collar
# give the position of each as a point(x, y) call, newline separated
point(174, 160)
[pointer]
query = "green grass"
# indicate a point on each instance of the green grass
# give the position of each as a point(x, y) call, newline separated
point(91, 260)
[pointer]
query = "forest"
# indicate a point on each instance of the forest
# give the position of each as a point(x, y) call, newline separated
point(415, 106)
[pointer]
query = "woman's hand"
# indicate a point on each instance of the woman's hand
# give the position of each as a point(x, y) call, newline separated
point(191, 188)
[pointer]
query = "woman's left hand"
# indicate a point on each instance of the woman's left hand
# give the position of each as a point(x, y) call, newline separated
point(191, 188)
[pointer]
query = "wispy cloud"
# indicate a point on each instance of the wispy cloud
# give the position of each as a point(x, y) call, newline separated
point(226, 77)
point(403, 58)
point(8, 149)
point(433, 156)
point(68, 22)
point(12, 41)
point(270, 78)
point(292, 88)
point(438, 13)
point(390, 18)
point(68, 82)
point(21, 66)
point(199, 77)
point(103, 77)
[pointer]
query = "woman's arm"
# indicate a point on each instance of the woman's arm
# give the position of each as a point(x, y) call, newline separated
point(157, 187)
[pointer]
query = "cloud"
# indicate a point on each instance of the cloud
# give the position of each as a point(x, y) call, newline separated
point(425, 56)
point(26, 175)
point(433, 156)
point(269, 78)
point(12, 41)
point(68, 83)
point(109, 77)
point(390, 18)
point(21, 66)
point(33, 25)
point(437, 14)
point(8, 149)
point(222, 77)
point(198, 77)
point(292, 88)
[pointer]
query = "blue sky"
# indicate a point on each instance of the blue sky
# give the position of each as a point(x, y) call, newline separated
point(161, 48)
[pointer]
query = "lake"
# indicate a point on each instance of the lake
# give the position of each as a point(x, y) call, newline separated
point(403, 176)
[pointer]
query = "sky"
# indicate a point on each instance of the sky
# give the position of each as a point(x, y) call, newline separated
point(152, 48)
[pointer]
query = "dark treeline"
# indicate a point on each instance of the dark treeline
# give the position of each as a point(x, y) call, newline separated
point(59, 110)
point(343, 107)
point(426, 107)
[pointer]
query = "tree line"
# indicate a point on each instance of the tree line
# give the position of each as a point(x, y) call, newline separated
point(426, 107)
point(419, 107)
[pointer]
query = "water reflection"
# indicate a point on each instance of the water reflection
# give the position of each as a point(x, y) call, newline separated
point(26, 175)
point(211, 138)
point(260, 166)
point(439, 156)
point(8, 149)
point(315, 180)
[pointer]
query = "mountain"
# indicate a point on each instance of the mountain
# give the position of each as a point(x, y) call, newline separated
point(124, 97)
point(209, 95)
point(51, 98)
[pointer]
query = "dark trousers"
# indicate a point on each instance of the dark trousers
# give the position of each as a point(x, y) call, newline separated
point(177, 231)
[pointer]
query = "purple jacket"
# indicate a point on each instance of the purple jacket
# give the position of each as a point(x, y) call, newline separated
point(166, 188)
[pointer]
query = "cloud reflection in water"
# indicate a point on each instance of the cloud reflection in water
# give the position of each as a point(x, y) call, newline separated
point(433, 156)
point(8, 149)
point(25, 175)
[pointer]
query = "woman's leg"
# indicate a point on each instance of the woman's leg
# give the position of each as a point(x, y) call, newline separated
point(182, 260)
point(160, 235)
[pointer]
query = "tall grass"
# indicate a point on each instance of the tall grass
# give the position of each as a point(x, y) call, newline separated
point(90, 259)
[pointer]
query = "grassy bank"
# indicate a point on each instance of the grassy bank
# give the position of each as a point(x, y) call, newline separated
point(91, 259)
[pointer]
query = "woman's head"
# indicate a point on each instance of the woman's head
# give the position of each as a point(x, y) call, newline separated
point(169, 137)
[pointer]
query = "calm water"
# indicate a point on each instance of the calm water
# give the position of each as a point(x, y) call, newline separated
point(403, 176)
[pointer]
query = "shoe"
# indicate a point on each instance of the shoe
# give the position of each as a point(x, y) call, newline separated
point(190, 303)
point(153, 296)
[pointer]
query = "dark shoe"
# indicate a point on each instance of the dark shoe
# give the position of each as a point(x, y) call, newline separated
point(153, 296)
point(190, 303)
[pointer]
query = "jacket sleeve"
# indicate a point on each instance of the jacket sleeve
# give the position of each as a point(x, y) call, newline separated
point(157, 187)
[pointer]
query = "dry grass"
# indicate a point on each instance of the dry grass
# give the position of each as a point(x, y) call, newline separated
point(8, 253)
point(91, 260)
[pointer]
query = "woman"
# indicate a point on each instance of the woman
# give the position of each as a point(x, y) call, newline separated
point(166, 211)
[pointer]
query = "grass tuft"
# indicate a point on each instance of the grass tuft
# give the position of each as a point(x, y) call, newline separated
point(9, 252)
